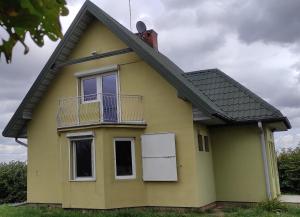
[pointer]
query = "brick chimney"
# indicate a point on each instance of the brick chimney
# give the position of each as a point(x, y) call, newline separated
point(150, 37)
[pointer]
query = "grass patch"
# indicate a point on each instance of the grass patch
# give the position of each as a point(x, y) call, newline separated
point(260, 210)
point(273, 206)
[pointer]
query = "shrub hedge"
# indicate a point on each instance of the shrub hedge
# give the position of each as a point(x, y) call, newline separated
point(13, 182)
point(289, 170)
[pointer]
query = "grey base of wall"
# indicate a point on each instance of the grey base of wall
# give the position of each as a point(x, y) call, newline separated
point(38, 205)
point(233, 204)
point(214, 205)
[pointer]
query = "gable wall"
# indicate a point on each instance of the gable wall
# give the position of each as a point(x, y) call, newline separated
point(164, 112)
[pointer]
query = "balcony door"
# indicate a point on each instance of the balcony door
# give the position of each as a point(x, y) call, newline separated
point(109, 98)
point(103, 89)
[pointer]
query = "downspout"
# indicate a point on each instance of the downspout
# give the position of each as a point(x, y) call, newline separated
point(21, 143)
point(265, 160)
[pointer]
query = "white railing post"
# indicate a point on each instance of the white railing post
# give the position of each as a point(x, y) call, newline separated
point(78, 110)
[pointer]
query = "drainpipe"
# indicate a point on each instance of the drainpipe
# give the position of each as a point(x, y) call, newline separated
point(265, 159)
point(21, 143)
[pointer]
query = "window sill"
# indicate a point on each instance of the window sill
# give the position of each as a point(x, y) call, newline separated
point(83, 180)
point(124, 178)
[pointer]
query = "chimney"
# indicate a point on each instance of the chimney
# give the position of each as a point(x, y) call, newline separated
point(150, 37)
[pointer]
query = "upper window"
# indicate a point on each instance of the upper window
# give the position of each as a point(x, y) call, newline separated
point(124, 158)
point(82, 158)
point(89, 88)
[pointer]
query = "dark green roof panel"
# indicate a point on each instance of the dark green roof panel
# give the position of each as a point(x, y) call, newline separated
point(236, 101)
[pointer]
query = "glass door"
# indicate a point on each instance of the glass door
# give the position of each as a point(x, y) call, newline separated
point(109, 98)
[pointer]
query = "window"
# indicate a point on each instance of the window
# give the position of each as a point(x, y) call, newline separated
point(89, 89)
point(203, 143)
point(124, 158)
point(206, 143)
point(103, 88)
point(82, 158)
point(200, 142)
point(109, 90)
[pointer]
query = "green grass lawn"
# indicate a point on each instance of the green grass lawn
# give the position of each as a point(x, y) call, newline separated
point(7, 211)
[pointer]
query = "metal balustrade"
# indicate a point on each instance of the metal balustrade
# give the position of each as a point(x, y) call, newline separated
point(100, 109)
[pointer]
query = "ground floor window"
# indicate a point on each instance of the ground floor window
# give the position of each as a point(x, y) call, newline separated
point(124, 158)
point(82, 158)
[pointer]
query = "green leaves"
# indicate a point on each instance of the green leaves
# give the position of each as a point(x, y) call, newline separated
point(289, 170)
point(38, 18)
point(13, 182)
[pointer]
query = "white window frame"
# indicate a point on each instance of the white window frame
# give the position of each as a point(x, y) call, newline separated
point(117, 94)
point(133, 176)
point(72, 159)
point(98, 87)
point(99, 93)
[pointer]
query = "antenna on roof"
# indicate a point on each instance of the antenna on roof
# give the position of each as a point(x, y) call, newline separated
point(141, 27)
point(129, 2)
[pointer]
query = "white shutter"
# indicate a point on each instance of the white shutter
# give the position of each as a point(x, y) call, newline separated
point(159, 157)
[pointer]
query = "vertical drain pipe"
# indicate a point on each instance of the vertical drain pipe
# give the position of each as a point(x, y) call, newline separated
point(265, 160)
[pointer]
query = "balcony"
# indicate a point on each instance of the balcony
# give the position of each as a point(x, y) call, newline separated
point(100, 109)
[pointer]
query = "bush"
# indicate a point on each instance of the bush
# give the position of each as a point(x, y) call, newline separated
point(13, 182)
point(289, 170)
point(272, 206)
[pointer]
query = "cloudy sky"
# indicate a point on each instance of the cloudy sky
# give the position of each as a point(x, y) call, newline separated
point(257, 42)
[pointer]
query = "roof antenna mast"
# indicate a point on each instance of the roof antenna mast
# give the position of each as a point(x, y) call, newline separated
point(129, 2)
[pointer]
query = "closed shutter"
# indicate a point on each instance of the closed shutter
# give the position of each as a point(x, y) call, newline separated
point(159, 157)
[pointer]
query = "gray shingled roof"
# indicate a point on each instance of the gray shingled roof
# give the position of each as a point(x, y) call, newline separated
point(232, 98)
point(167, 69)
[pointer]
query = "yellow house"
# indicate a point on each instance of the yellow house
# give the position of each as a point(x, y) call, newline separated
point(113, 123)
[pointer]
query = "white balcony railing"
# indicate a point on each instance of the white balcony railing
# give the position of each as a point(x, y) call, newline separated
point(100, 109)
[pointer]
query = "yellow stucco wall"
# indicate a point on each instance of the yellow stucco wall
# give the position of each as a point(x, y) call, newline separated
point(48, 169)
point(238, 164)
point(205, 170)
point(123, 193)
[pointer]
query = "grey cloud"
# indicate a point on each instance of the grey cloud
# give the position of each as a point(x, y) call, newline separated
point(176, 19)
point(191, 49)
point(267, 20)
point(289, 98)
point(270, 21)
point(179, 4)
point(11, 151)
